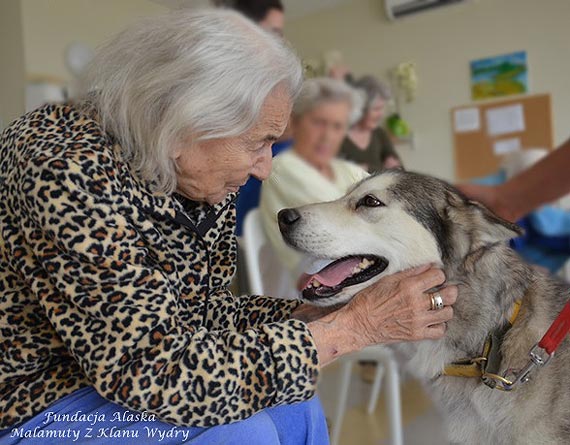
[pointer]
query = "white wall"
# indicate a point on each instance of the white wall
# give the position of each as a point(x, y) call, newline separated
point(50, 25)
point(12, 69)
point(35, 33)
point(442, 42)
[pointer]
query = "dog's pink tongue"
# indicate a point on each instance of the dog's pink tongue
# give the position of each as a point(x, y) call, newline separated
point(330, 275)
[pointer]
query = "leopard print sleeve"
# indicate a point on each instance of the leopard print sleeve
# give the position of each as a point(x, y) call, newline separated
point(247, 311)
point(123, 319)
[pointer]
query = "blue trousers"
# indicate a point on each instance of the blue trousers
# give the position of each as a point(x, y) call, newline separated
point(99, 421)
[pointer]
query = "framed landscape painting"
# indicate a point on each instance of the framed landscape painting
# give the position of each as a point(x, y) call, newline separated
point(499, 76)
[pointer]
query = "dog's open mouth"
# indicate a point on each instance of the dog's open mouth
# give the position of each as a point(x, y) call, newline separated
point(341, 273)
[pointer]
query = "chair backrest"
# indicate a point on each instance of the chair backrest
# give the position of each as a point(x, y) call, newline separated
point(265, 273)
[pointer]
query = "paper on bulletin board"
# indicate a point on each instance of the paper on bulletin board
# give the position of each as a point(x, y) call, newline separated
point(503, 120)
point(506, 146)
point(466, 119)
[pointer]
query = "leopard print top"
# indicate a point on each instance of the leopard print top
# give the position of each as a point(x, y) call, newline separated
point(104, 283)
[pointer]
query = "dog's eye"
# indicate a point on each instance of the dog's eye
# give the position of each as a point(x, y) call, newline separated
point(369, 201)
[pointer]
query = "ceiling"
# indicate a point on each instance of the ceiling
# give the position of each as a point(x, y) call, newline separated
point(293, 8)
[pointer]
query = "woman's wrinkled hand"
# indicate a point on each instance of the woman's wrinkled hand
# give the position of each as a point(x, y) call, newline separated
point(398, 308)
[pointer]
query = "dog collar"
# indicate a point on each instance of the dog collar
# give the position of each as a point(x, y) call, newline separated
point(487, 366)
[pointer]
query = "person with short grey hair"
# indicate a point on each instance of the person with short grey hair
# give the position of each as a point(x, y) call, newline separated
point(310, 171)
point(117, 248)
point(372, 88)
point(367, 143)
point(324, 89)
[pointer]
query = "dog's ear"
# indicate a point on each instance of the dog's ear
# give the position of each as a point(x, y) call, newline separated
point(483, 225)
point(495, 228)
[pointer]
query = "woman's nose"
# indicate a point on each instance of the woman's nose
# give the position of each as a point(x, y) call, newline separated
point(262, 167)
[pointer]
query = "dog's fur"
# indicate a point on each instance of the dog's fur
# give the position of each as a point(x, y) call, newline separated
point(426, 220)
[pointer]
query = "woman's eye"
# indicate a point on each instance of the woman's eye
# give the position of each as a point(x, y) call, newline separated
point(369, 201)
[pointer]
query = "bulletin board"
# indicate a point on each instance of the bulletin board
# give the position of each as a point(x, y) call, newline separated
point(484, 133)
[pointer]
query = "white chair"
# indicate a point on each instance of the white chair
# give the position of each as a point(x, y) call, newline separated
point(267, 276)
point(386, 368)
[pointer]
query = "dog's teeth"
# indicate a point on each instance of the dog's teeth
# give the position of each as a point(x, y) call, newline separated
point(316, 283)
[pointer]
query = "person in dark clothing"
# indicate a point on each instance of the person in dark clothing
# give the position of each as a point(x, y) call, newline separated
point(366, 143)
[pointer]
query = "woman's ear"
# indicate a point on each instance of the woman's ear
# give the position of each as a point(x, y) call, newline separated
point(175, 154)
point(184, 142)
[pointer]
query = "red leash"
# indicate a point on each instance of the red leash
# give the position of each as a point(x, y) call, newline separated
point(557, 331)
point(542, 352)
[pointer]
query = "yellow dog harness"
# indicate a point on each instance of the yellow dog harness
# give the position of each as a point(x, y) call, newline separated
point(486, 367)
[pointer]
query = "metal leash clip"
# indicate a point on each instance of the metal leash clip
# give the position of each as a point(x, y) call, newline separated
point(538, 358)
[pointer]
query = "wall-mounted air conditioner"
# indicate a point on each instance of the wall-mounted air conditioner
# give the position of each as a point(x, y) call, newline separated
point(397, 9)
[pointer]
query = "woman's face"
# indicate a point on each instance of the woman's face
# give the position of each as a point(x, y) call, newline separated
point(318, 134)
point(209, 170)
point(375, 113)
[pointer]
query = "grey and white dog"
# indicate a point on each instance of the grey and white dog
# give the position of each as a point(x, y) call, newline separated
point(397, 220)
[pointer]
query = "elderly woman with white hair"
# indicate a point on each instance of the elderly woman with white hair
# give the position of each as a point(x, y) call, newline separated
point(117, 246)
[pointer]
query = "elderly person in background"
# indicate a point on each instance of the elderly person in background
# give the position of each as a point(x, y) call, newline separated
point(367, 143)
point(117, 245)
point(311, 172)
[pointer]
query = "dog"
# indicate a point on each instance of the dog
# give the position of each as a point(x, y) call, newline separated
point(396, 220)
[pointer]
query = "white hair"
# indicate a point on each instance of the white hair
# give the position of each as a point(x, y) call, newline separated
point(186, 75)
point(319, 90)
point(372, 88)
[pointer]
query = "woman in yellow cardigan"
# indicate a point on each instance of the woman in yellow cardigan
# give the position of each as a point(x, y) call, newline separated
point(310, 171)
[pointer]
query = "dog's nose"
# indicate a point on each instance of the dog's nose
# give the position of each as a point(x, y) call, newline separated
point(287, 218)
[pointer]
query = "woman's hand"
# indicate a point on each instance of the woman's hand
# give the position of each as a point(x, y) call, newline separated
point(396, 308)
